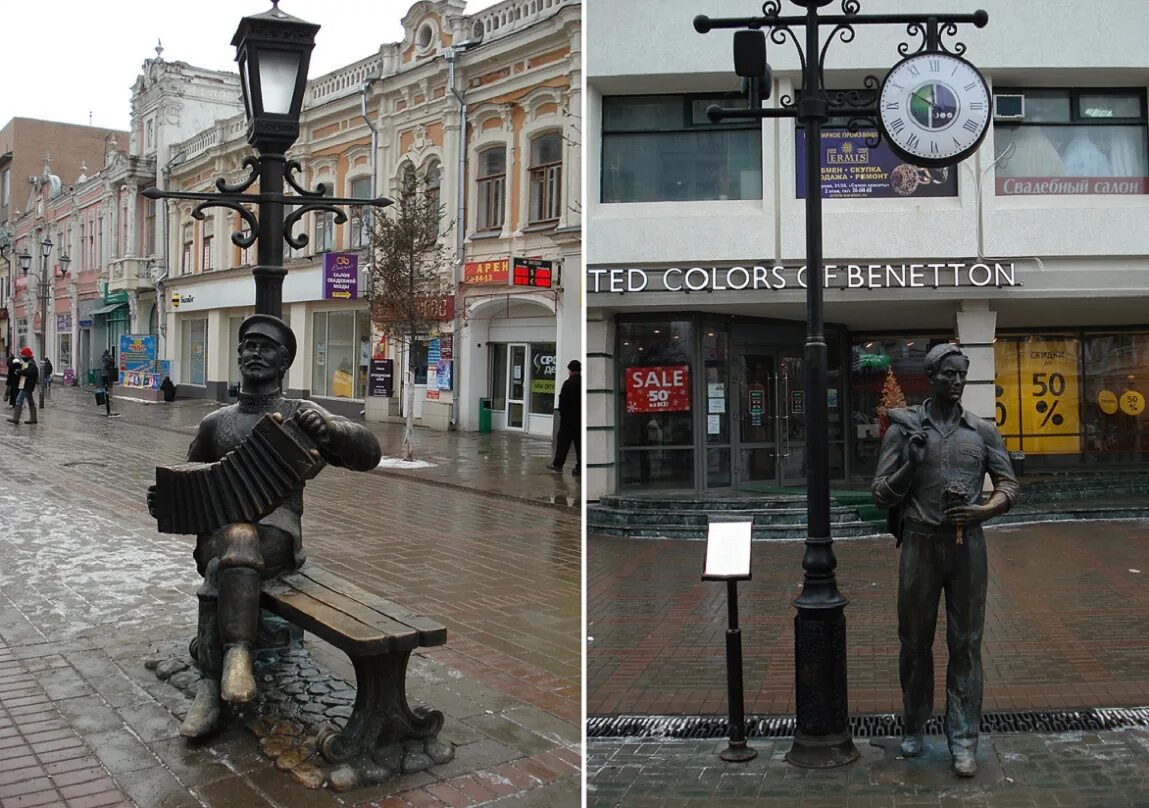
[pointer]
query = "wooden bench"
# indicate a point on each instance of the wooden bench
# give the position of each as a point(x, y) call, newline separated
point(378, 636)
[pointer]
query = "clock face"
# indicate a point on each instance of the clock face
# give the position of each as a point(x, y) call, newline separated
point(933, 109)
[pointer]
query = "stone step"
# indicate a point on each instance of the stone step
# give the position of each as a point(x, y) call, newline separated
point(687, 502)
point(757, 532)
point(598, 515)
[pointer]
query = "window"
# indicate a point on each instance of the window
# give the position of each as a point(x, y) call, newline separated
point(83, 247)
point(63, 350)
point(543, 372)
point(658, 148)
point(341, 342)
point(5, 192)
point(360, 235)
point(186, 258)
point(492, 188)
point(324, 240)
point(206, 258)
point(100, 254)
point(149, 227)
point(1074, 142)
point(193, 352)
point(246, 254)
point(234, 377)
point(546, 177)
point(432, 184)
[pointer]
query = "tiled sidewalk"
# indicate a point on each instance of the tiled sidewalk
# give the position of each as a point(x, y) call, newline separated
point(45, 762)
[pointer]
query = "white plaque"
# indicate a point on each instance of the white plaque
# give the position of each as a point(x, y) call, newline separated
point(716, 405)
point(713, 425)
point(727, 551)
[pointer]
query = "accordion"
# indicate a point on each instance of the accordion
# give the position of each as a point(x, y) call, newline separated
point(245, 485)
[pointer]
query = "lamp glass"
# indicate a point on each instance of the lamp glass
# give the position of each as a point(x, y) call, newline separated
point(245, 79)
point(25, 261)
point(65, 259)
point(46, 246)
point(277, 75)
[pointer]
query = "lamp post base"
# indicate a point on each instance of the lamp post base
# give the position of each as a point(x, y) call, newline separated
point(822, 752)
point(738, 752)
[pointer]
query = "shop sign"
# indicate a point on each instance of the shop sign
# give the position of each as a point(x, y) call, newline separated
point(340, 276)
point(486, 272)
point(64, 322)
point(443, 374)
point(137, 352)
point(1017, 186)
point(381, 377)
point(1042, 402)
point(544, 374)
point(665, 388)
point(757, 404)
point(446, 346)
point(935, 275)
point(532, 272)
point(851, 169)
point(1132, 402)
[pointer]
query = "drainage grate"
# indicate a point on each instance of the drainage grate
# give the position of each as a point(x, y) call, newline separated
point(861, 726)
point(98, 463)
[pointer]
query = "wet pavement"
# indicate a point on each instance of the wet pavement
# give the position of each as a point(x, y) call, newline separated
point(1067, 626)
point(88, 590)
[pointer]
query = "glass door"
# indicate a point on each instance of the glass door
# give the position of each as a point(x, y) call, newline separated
point(516, 385)
point(792, 420)
point(756, 437)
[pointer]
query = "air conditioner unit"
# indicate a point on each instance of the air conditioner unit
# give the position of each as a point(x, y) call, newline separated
point(1008, 107)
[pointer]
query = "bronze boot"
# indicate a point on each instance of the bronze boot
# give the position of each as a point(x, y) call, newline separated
point(202, 718)
point(238, 626)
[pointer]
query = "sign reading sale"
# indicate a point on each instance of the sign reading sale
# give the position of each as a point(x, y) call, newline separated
point(665, 388)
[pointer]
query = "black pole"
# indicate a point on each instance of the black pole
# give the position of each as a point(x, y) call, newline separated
point(737, 751)
point(43, 290)
point(822, 738)
point(269, 271)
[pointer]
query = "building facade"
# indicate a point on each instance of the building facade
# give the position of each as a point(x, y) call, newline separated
point(1030, 253)
point(483, 111)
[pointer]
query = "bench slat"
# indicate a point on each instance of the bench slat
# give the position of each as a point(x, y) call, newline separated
point(431, 632)
point(342, 630)
point(343, 600)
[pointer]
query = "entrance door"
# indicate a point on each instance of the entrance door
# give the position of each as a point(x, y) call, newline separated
point(770, 419)
point(516, 386)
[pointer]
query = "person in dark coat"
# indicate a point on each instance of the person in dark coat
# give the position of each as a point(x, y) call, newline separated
point(12, 379)
point(26, 385)
point(110, 375)
point(570, 419)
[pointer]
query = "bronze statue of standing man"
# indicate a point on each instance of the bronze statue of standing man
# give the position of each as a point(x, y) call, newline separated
point(934, 458)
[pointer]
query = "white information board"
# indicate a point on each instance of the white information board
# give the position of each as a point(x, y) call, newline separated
point(727, 551)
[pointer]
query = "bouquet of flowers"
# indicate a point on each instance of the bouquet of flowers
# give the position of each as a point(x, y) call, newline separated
point(955, 495)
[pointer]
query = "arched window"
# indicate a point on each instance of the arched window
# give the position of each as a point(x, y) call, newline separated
point(432, 183)
point(546, 172)
point(492, 181)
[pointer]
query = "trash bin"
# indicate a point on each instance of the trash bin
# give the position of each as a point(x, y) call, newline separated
point(484, 416)
point(1017, 460)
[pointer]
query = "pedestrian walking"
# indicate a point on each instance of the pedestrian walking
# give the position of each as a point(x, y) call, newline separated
point(25, 386)
point(46, 370)
point(12, 378)
point(570, 420)
point(109, 373)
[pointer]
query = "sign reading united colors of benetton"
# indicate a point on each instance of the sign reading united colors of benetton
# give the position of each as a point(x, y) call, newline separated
point(953, 274)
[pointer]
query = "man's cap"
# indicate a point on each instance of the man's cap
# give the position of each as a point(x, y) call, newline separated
point(266, 325)
point(26, 352)
point(574, 365)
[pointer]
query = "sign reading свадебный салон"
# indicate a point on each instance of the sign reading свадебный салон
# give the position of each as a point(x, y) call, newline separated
point(954, 274)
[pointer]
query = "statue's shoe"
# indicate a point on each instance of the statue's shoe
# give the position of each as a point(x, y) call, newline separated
point(965, 765)
point(202, 717)
point(912, 745)
point(238, 682)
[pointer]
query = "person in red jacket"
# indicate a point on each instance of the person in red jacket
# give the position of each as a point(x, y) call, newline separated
point(26, 381)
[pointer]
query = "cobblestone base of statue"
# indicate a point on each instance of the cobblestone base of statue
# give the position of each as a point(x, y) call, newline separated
point(298, 708)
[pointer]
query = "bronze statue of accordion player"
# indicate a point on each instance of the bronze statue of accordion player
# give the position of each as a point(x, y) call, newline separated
point(241, 493)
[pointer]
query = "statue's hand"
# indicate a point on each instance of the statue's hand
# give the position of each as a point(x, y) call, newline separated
point(917, 448)
point(967, 515)
point(316, 424)
point(152, 495)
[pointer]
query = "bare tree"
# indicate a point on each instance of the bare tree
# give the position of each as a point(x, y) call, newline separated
point(409, 276)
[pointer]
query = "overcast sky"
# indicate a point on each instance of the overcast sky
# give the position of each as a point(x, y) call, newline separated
point(75, 60)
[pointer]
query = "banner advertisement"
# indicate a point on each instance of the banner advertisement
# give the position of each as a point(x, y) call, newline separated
point(665, 388)
point(137, 352)
point(853, 170)
point(340, 276)
point(1038, 395)
point(381, 378)
point(443, 374)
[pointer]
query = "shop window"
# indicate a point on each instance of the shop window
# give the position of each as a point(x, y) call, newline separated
point(546, 177)
point(63, 351)
point(193, 352)
point(656, 419)
point(498, 375)
point(544, 378)
point(663, 148)
point(492, 182)
point(340, 350)
point(1074, 142)
point(878, 365)
point(418, 359)
point(1115, 423)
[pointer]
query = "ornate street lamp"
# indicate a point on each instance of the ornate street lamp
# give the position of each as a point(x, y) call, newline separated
point(273, 50)
point(822, 738)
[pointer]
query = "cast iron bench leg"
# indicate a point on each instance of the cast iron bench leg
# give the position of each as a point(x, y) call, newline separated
point(381, 715)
